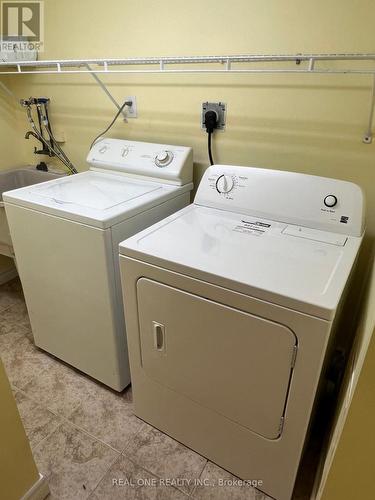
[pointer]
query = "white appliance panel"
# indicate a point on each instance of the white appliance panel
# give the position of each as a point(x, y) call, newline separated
point(307, 200)
point(194, 330)
point(250, 254)
point(171, 164)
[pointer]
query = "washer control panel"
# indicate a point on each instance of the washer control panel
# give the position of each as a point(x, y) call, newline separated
point(170, 164)
point(288, 197)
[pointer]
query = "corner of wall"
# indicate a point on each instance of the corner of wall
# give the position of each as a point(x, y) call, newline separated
point(18, 469)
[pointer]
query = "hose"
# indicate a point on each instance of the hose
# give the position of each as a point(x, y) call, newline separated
point(51, 145)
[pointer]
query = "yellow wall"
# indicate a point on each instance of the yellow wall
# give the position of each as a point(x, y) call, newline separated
point(351, 474)
point(11, 143)
point(305, 123)
point(18, 472)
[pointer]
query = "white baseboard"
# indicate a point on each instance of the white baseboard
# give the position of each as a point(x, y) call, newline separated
point(8, 275)
point(38, 491)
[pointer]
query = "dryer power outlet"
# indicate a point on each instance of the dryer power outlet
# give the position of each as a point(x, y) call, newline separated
point(220, 109)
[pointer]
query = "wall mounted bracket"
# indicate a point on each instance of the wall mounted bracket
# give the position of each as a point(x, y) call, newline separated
point(106, 91)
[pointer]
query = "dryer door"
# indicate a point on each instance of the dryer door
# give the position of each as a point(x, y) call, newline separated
point(229, 361)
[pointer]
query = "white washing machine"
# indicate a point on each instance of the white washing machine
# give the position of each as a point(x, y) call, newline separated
point(231, 310)
point(66, 234)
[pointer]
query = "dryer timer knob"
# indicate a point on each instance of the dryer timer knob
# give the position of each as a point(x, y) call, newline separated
point(224, 184)
point(163, 158)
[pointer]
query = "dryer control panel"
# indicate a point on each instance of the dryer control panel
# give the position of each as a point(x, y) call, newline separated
point(162, 162)
point(290, 197)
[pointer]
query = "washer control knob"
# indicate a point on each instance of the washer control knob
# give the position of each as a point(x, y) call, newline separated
point(224, 184)
point(163, 158)
point(330, 200)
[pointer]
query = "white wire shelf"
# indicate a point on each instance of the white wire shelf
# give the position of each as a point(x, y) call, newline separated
point(303, 63)
point(323, 64)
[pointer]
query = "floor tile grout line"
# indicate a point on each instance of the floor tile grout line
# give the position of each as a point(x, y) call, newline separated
point(155, 474)
point(9, 306)
point(28, 380)
point(56, 414)
point(118, 457)
point(133, 437)
point(136, 464)
point(120, 453)
point(64, 421)
point(64, 418)
point(46, 437)
point(103, 476)
point(124, 454)
point(15, 303)
point(12, 333)
point(200, 475)
point(50, 359)
point(91, 435)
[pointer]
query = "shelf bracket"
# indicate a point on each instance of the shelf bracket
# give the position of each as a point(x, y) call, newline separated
point(106, 91)
point(367, 138)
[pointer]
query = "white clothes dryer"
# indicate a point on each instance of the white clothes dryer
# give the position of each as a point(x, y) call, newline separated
point(231, 309)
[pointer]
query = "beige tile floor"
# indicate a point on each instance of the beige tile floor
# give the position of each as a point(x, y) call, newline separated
point(86, 439)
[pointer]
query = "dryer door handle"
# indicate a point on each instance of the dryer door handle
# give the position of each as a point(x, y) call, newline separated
point(159, 336)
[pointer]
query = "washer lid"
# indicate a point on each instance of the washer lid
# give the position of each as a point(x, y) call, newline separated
point(97, 192)
point(251, 255)
point(94, 198)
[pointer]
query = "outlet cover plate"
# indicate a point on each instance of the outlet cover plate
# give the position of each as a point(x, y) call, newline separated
point(221, 110)
point(131, 111)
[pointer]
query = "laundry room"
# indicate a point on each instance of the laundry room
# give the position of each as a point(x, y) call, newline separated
point(187, 226)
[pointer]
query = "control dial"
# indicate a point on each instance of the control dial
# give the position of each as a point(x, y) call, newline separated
point(163, 158)
point(330, 200)
point(224, 184)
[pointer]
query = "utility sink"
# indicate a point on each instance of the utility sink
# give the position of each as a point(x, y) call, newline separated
point(14, 179)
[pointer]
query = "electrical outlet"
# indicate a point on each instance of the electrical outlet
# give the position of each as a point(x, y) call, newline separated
point(220, 108)
point(131, 111)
